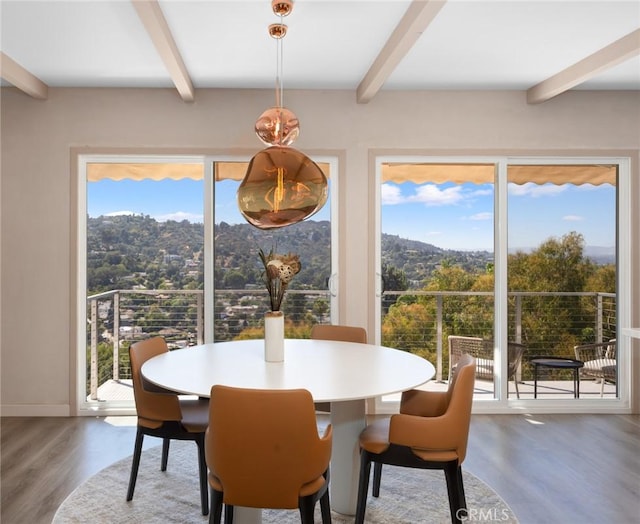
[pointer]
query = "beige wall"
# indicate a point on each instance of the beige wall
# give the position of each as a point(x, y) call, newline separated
point(37, 219)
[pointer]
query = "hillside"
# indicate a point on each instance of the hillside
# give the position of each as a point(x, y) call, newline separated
point(130, 251)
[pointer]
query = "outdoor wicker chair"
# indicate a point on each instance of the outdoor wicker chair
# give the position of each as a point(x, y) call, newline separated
point(599, 362)
point(482, 350)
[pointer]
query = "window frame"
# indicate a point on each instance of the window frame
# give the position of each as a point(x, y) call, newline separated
point(81, 159)
point(501, 403)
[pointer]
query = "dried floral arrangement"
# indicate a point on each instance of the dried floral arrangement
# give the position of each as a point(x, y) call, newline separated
point(279, 270)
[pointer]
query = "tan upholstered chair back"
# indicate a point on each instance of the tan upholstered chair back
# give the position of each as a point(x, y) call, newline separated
point(263, 447)
point(341, 333)
point(153, 408)
point(335, 332)
point(442, 431)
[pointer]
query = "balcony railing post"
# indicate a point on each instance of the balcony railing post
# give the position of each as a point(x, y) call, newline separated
point(518, 318)
point(599, 316)
point(200, 318)
point(116, 336)
point(93, 381)
point(518, 376)
point(439, 338)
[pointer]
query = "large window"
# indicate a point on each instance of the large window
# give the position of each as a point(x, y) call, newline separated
point(162, 250)
point(240, 299)
point(508, 259)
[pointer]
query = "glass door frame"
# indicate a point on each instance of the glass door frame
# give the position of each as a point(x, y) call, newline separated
point(209, 216)
point(501, 403)
point(82, 405)
point(82, 158)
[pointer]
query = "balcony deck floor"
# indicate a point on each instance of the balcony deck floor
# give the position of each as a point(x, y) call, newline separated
point(122, 390)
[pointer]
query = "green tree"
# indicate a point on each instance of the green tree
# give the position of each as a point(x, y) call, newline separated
point(557, 265)
point(234, 279)
point(410, 327)
point(393, 279)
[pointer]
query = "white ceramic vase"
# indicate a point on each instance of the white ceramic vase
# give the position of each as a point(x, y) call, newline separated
point(274, 336)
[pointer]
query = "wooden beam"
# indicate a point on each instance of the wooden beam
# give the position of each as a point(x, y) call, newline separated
point(607, 57)
point(414, 22)
point(19, 77)
point(155, 23)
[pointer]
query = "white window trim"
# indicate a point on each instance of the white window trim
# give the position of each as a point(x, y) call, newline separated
point(86, 408)
point(503, 404)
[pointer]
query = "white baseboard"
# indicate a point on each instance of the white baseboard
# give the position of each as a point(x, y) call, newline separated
point(35, 410)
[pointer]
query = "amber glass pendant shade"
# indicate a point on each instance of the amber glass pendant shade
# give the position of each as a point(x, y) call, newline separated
point(278, 126)
point(282, 187)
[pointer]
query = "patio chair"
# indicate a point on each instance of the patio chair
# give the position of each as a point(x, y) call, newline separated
point(599, 362)
point(166, 416)
point(482, 350)
point(336, 332)
point(263, 451)
point(430, 432)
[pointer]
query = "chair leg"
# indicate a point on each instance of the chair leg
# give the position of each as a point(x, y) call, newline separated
point(202, 466)
point(165, 454)
point(137, 451)
point(306, 505)
point(462, 498)
point(363, 486)
point(377, 478)
point(515, 381)
point(215, 515)
point(455, 490)
point(228, 514)
point(325, 508)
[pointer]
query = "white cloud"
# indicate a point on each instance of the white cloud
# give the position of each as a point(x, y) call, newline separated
point(572, 218)
point(179, 216)
point(391, 195)
point(535, 190)
point(121, 213)
point(432, 195)
point(486, 215)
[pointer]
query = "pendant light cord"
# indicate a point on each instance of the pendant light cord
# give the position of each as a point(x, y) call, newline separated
point(279, 58)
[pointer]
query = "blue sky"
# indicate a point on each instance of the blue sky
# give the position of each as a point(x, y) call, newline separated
point(450, 216)
point(460, 216)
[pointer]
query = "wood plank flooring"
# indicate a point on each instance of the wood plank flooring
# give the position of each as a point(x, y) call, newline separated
point(564, 469)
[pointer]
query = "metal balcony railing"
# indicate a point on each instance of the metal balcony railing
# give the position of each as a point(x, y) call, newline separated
point(416, 321)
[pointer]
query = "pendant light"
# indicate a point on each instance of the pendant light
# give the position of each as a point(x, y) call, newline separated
point(282, 185)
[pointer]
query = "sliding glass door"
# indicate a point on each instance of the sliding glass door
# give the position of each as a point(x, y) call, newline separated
point(163, 251)
point(563, 274)
point(437, 259)
point(508, 259)
point(240, 298)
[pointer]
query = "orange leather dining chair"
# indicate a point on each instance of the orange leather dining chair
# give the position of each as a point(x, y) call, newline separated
point(263, 451)
point(341, 333)
point(164, 415)
point(430, 432)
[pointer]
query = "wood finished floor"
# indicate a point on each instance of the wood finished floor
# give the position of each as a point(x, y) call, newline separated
point(564, 469)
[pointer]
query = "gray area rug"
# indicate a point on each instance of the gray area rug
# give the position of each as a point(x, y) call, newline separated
point(406, 496)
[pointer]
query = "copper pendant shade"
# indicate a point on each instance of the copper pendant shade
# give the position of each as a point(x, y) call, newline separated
point(282, 185)
point(278, 126)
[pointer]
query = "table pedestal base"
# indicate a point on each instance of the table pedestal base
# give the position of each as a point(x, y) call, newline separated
point(243, 515)
point(348, 419)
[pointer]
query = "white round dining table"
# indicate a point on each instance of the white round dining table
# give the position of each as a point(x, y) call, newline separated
point(343, 373)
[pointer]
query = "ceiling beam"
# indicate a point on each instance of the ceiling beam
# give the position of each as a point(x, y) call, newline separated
point(414, 22)
point(155, 23)
point(607, 57)
point(19, 77)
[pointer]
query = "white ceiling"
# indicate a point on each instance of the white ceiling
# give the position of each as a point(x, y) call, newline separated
point(330, 44)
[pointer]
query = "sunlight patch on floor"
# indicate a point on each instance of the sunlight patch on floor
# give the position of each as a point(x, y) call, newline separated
point(122, 421)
